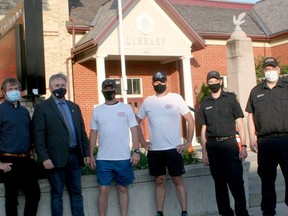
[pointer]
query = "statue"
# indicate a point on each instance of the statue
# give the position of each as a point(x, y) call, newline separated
point(237, 22)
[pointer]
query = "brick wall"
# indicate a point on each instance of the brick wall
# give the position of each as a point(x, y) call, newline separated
point(213, 57)
point(85, 82)
point(85, 89)
point(281, 53)
point(57, 41)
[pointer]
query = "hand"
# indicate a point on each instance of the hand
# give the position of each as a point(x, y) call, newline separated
point(183, 147)
point(6, 167)
point(243, 154)
point(32, 154)
point(147, 145)
point(254, 146)
point(92, 162)
point(48, 164)
point(135, 159)
point(87, 160)
point(205, 159)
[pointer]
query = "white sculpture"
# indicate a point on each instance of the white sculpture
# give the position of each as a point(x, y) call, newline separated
point(237, 22)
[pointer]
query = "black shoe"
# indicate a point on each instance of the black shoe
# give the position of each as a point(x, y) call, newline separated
point(184, 214)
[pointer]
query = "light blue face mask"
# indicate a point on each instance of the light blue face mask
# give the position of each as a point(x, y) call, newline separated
point(12, 96)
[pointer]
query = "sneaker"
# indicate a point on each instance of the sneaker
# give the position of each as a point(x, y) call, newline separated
point(159, 214)
point(184, 214)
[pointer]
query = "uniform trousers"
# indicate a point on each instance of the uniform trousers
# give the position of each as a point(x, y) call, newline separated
point(226, 170)
point(272, 151)
point(23, 175)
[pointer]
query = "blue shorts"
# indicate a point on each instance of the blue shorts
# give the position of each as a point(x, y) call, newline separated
point(121, 171)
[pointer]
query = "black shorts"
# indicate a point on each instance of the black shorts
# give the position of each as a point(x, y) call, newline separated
point(160, 160)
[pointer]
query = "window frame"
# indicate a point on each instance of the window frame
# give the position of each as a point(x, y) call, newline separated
point(119, 94)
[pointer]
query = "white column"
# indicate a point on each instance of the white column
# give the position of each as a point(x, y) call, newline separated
point(122, 54)
point(101, 76)
point(188, 90)
point(188, 87)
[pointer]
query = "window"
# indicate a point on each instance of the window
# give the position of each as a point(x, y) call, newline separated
point(134, 87)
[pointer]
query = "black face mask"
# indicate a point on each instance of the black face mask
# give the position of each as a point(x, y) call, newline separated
point(60, 93)
point(159, 88)
point(214, 87)
point(109, 95)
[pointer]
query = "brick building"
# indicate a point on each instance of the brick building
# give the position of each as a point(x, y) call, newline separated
point(185, 38)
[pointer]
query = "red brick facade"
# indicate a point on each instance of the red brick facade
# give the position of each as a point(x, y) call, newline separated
point(213, 57)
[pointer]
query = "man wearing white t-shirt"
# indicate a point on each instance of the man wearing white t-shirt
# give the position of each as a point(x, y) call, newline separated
point(110, 123)
point(164, 111)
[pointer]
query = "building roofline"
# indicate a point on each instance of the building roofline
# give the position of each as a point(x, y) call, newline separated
point(198, 42)
point(215, 3)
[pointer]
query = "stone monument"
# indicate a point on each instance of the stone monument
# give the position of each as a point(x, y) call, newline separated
point(240, 62)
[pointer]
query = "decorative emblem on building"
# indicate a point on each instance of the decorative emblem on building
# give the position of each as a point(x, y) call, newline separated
point(145, 23)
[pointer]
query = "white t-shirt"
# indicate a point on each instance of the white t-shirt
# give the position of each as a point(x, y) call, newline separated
point(164, 119)
point(113, 123)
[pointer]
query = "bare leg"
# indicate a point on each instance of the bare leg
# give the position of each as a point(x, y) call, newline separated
point(180, 191)
point(123, 199)
point(103, 200)
point(160, 189)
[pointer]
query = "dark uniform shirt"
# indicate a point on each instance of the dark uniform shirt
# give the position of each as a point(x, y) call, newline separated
point(14, 128)
point(269, 108)
point(219, 114)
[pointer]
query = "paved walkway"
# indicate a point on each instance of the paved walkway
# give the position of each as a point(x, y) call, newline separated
point(255, 188)
point(282, 210)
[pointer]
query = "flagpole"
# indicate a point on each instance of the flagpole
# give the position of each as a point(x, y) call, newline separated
point(122, 54)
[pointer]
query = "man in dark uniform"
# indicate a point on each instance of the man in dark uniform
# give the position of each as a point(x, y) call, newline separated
point(267, 109)
point(20, 170)
point(220, 112)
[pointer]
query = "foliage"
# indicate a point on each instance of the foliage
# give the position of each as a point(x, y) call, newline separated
point(259, 70)
point(143, 163)
point(189, 158)
point(204, 91)
point(284, 69)
point(86, 170)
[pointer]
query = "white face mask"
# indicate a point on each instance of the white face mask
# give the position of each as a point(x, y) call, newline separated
point(271, 76)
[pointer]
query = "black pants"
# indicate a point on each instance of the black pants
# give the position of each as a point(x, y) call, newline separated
point(226, 169)
point(271, 152)
point(23, 175)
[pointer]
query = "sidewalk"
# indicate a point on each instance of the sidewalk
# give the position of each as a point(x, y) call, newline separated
point(255, 188)
point(282, 210)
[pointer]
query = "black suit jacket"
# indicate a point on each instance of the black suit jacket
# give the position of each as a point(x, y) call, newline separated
point(51, 136)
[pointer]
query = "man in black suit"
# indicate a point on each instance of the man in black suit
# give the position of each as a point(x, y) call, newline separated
point(61, 144)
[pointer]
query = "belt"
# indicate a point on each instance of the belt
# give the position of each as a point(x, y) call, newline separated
point(74, 149)
point(220, 139)
point(13, 155)
point(273, 135)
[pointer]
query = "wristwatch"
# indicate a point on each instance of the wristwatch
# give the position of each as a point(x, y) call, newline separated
point(137, 151)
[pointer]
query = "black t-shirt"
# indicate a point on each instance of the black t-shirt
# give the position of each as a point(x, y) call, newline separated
point(269, 108)
point(219, 114)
